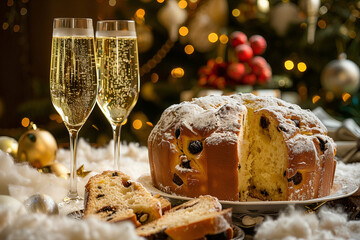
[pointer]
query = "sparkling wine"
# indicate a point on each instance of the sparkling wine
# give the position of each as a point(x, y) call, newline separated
point(118, 73)
point(73, 82)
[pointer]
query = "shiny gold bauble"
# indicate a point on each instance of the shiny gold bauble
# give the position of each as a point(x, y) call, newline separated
point(37, 147)
point(56, 168)
point(9, 145)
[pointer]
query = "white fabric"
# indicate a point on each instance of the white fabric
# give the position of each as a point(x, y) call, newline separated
point(21, 181)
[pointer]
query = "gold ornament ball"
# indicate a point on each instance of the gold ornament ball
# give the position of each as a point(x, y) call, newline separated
point(9, 145)
point(56, 168)
point(38, 147)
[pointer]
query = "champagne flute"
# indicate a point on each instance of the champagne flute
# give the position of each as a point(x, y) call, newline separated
point(73, 82)
point(118, 74)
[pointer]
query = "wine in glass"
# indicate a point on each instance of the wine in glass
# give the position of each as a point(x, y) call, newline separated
point(73, 82)
point(118, 74)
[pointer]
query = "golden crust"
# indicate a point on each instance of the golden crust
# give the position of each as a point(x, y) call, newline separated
point(218, 122)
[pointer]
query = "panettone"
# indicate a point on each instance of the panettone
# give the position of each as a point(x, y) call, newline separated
point(199, 218)
point(240, 146)
point(113, 197)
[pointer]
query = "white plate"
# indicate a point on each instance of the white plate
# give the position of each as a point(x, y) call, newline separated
point(342, 188)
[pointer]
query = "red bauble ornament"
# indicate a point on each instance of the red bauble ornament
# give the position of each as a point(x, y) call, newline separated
point(258, 44)
point(249, 79)
point(237, 38)
point(244, 52)
point(257, 64)
point(236, 71)
point(265, 74)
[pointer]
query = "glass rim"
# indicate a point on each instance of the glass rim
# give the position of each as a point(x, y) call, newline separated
point(73, 27)
point(116, 28)
point(108, 21)
point(69, 18)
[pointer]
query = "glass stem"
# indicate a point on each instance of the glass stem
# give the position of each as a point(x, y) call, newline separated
point(117, 132)
point(73, 194)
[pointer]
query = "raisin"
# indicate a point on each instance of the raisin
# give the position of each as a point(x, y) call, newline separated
point(239, 167)
point(296, 179)
point(285, 173)
point(99, 187)
point(177, 180)
point(322, 144)
point(126, 183)
point(253, 187)
point(107, 209)
point(279, 190)
point(264, 122)
point(291, 108)
point(264, 192)
point(297, 122)
point(177, 133)
point(186, 164)
point(109, 219)
point(115, 174)
point(100, 195)
point(195, 147)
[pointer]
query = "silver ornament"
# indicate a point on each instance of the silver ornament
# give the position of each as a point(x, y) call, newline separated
point(340, 76)
point(41, 203)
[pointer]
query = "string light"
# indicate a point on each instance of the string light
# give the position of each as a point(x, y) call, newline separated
point(149, 65)
point(23, 11)
point(140, 13)
point(112, 3)
point(137, 124)
point(263, 5)
point(183, 31)
point(289, 65)
point(223, 39)
point(213, 37)
point(352, 34)
point(235, 12)
point(177, 72)
point(160, 1)
point(322, 24)
point(16, 28)
point(189, 49)
point(10, 3)
point(301, 66)
point(346, 96)
point(150, 124)
point(154, 77)
point(316, 98)
point(182, 4)
point(5, 26)
point(25, 122)
point(323, 10)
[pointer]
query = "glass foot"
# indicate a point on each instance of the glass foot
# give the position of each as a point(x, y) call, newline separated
point(71, 204)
